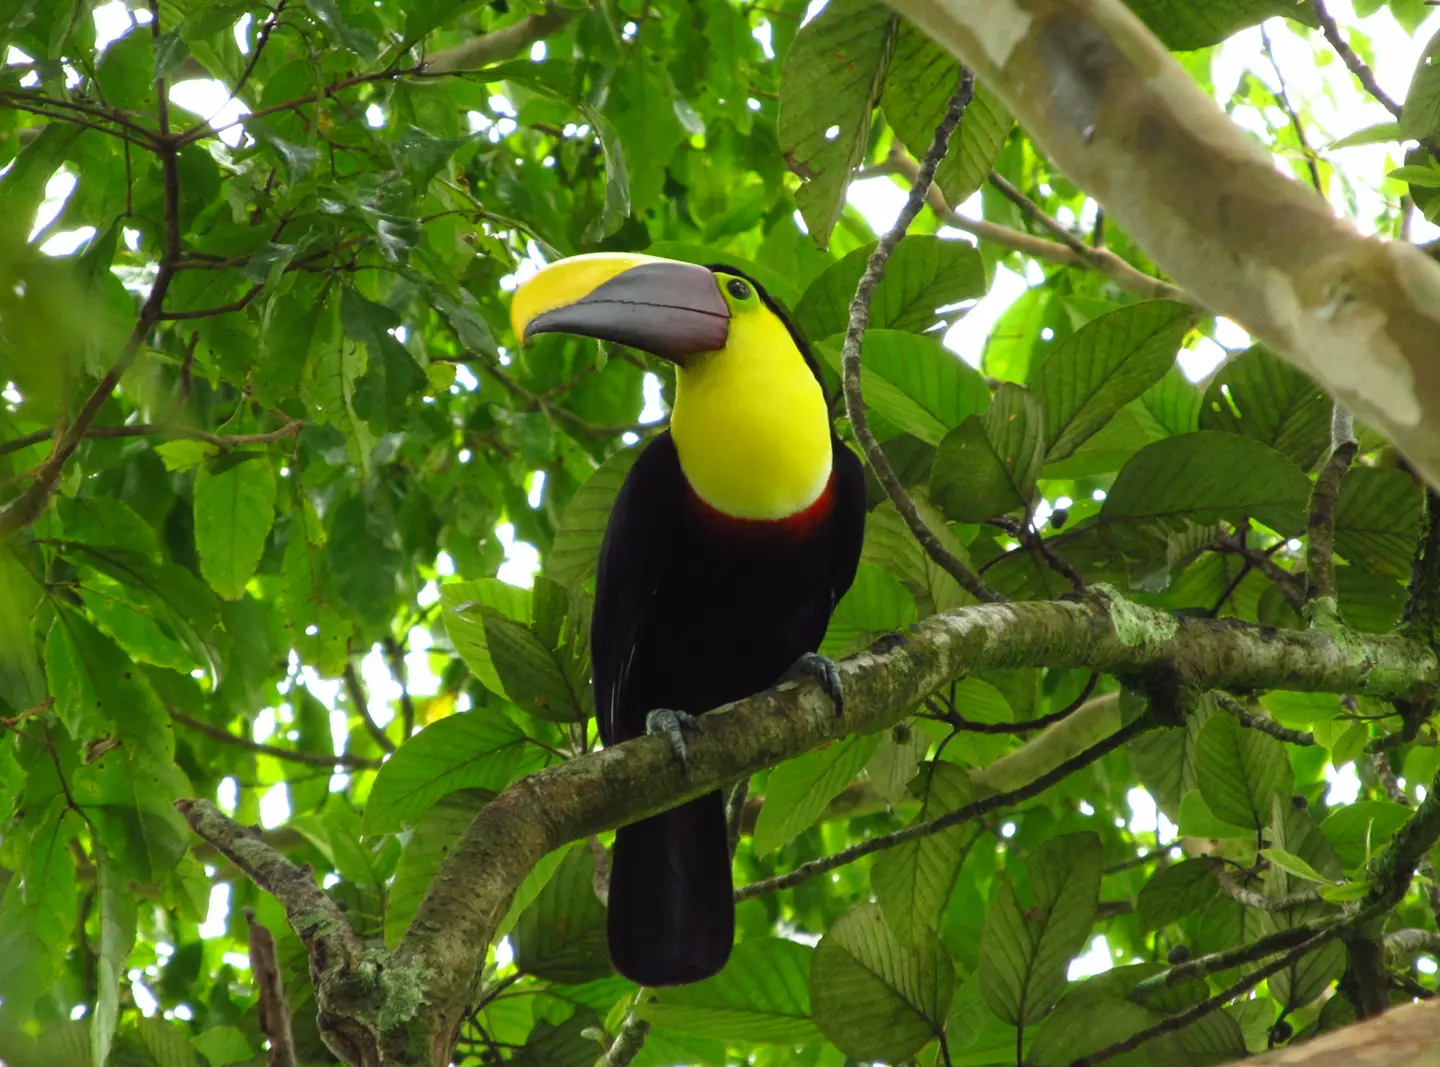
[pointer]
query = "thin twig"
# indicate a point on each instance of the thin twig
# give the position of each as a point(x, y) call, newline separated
point(1290, 584)
point(973, 726)
point(395, 654)
point(629, 1039)
point(1182, 1019)
point(1203, 966)
point(1357, 66)
point(1035, 213)
point(273, 1009)
point(1259, 901)
point(735, 813)
point(1260, 722)
point(1283, 96)
point(356, 692)
point(996, 802)
point(147, 429)
point(1108, 263)
point(1385, 772)
point(261, 40)
point(860, 319)
point(223, 309)
point(313, 759)
point(1320, 528)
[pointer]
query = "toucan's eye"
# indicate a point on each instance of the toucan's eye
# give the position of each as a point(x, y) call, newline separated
point(738, 289)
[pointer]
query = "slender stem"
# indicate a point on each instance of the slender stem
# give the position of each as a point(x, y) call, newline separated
point(1035, 213)
point(1260, 722)
point(314, 759)
point(1357, 66)
point(1282, 95)
point(356, 692)
point(1259, 901)
point(972, 726)
point(995, 802)
point(147, 429)
point(860, 319)
point(1320, 533)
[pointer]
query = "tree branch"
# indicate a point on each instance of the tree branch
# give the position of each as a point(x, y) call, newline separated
point(1263, 723)
point(314, 759)
point(1290, 584)
point(1320, 528)
point(1259, 901)
point(1099, 259)
point(1103, 99)
point(498, 44)
point(273, 1009)
point(850, 354)
point(146, 429)
point(1282, 96)
point(356, 693)
point(1357, 66)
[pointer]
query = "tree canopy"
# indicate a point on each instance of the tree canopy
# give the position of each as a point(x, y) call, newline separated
point(297, 542)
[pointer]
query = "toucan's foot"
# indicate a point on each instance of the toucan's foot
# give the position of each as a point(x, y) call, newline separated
point(824, 671)
point(672, 726)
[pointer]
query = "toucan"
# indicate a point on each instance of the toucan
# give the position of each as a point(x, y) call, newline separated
point(731, 540)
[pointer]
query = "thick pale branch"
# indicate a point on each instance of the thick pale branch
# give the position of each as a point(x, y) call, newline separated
point(1115, 111)
point(499, 44)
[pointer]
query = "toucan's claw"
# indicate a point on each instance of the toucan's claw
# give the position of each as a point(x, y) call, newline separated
point(824, 671)
point(672, 726)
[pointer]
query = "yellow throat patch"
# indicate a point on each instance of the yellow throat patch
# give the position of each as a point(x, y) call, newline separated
point(750, 423)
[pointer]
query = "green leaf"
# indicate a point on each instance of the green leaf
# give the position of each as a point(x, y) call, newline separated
point(1377, 519)
point(1175, 892)
point(923, 274)
point(433, 837)
point(799, 789)
point(353, 38)
point(1360, 829)
point(875, 603)
point(1183, 26)
point(125, 76)
point(890, 544)
point(914, 382)
point(560, 937)
point(1420, 118)
point(895, 762)
point(1164, 759)
point(1197, 820)
point(117, 937)
point(988, 465)
point(471, 750)
point(1082, 1025)
point(1205, 476)
point(223, 1045)
point(921, 80)
point(1104, 365)
point(1293, 864)
point(97, 689)
point(912, 881)
point(560, 1045)
point(762, 997)
point(1025, 949)
point(641, 108)
point(547, 683)
point(830, 82)
point(165, 1042)
point(1173, 404)
point(875, 996)
point(464, 606)
point(1379, 133)
point(617, 179)
point(234, 508)
point(1262, 396)
point(1424, 176)
point(1346, 893)
point(582, 527)
point(1241, 771)
point(538, 878)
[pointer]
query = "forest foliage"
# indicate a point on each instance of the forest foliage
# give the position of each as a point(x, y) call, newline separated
point(289, 563)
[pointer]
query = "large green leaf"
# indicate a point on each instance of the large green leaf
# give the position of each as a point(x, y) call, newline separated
point(912, 881)
point(1103, 366)
point(876, 996)
point(434, 835)
point(1377, 519)
point(234, 508)
point(762, 997)
point(546, 682)
point(830, 82)
point(117, 938)
point(1182, 25)
point(875, 603)
point(1174, 892)
point(474, 750)
point(890, 544)
point(582, 527)
point(798, 790)
point(560, 937)
point(1201, 477)
point(914, 382)
point(1420, 119)
point(1362, 828)
point(922, 78)
point(1026, 947)
point(987, 466)
point(1241, 771)
point(923, 274)
point(466, 604)
point(1262, 396)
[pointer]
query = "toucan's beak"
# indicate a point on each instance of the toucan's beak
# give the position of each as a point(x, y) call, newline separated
point(670, 309)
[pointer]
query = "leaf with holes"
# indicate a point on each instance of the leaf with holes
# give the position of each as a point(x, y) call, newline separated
point(1241, 771)
point(1104, 365)
point(988, 465)
point(762, 997)
point(1259, 395)
point(1026, 948)
point(875, 995)
point(829, 84)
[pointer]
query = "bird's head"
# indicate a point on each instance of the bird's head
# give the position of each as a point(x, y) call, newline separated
point(677, 311)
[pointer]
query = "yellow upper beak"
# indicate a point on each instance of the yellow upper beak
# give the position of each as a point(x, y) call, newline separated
point(662, 306)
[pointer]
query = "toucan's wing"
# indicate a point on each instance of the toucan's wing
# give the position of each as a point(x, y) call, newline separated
point(849, 519)
point(639, 542)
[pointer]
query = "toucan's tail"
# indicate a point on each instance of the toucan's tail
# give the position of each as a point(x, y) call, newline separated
point(672, 904)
